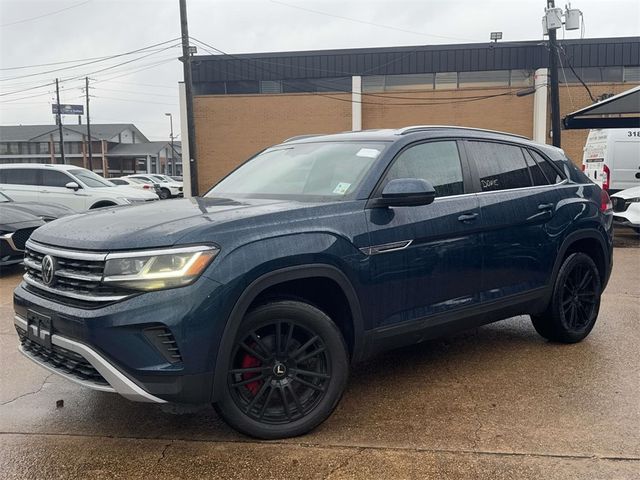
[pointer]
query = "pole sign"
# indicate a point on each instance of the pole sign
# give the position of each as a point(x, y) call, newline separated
point(68, 109)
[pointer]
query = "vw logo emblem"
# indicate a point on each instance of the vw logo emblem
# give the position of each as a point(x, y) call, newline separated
point(48, 270)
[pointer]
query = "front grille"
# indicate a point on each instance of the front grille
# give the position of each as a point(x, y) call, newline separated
point(620, 204)
point(20, 237)
point(78, 275)
point(62, 360)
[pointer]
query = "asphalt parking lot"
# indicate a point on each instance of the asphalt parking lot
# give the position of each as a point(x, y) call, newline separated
point(495, 402)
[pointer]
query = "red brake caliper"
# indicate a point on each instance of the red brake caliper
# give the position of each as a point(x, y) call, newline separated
point(249, 361)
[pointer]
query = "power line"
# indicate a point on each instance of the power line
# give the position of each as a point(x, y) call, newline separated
point(364, 22)
point(561, 48)
point(44, 15)
point(132, 52)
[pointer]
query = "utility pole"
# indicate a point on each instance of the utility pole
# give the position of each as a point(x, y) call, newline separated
point(553, 83)
point(186, 64)
point(59, 121)
point(173, 161)
point(89, 148)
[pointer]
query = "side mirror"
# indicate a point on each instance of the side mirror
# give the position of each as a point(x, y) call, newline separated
point(73, 186)
point(406, 192)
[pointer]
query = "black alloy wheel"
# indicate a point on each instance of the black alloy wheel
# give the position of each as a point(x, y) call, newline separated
point(164, 194)
point(287, 371)
point(574, 307)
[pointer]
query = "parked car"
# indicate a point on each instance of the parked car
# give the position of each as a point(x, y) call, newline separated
point(169, 187)
point(315, 254)
point(626, 208)
point(18, 221)
point(74, 187)
point(612, 158)
point(137, 183)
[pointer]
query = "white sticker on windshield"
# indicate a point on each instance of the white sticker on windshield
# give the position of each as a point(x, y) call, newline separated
point(341, 188)
point(368, 152)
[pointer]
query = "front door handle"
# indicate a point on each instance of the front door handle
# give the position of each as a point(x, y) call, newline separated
point(546, 206)
point(467, 217)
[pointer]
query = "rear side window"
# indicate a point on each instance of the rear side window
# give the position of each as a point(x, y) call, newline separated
point(19, 176)
point(549, 171)
point(436, 162)
point(117, 181)
point(537, 175)
point(500, 166)
point(53, 178)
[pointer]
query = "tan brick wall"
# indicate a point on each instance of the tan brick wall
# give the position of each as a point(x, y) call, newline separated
point(229, 129)
point(505, 113)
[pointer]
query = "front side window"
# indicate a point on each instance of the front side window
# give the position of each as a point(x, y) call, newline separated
point(53, 178)
point(436, 162)
point(90, 179)
point(500, 166)
point(322, 169)
point(19, 176)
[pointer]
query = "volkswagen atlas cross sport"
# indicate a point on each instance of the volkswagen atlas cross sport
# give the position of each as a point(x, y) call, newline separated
point(314, 254)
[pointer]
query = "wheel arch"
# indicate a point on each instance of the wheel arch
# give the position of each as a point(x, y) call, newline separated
point(273, 279)
point(103, 203)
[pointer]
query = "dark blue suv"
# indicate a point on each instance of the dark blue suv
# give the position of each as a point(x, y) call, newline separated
point(316, 253)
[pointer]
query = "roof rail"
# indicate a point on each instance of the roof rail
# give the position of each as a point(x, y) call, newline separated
point(300, 137)
point(421, 128)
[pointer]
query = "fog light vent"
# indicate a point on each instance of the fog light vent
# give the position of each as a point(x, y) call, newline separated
point(163, 340)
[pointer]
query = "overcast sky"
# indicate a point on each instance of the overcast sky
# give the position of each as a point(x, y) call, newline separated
point(34, 32)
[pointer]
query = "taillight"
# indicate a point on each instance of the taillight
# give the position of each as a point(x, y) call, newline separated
point(146, 187)
point(607, 177)
point(584, 167)
point(605, 202)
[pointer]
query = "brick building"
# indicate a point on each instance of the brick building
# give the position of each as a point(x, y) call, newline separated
point(244, 103)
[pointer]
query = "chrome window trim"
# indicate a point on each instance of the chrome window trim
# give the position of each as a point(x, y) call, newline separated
point(118, 382)
point(76, 296)
point(386, 247)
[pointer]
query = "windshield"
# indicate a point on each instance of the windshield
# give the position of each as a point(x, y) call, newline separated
point(90, 179)
point(324, 169)
point(4, 198)
point(161, 178)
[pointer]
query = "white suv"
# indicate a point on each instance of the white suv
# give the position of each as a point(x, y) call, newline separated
point(169, 188)
point(68, 185)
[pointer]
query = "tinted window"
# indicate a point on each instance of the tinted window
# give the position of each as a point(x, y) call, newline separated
point(436, 162)
point(549, 171)
point(537, 175)
point(501, 167)
point(19, 176)
point(53, 178)
point(90, 179)
point(117, 181)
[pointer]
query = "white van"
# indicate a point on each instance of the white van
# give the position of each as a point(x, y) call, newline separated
point(612, 158)
point(68, 185)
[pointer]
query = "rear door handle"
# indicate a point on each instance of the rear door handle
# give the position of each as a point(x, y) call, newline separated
point(468, 217)
point(546, 206)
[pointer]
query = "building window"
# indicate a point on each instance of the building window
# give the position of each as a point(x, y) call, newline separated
point(631, 74)
point(397, 83)
point(312, 85)
point(4, 148)
point(243, 87)
point(446, 80)
point(489, 78)
point(44, 147)
point(270, 86)
point(521, 78)
point(591, 74)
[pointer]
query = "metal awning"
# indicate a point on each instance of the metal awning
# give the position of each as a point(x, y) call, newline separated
point(625, 105)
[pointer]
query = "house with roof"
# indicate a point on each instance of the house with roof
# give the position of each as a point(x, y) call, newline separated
point(117, 148)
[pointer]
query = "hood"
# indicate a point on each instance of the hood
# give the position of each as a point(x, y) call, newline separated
point(633, 192)
point(14, 218)
point(153, 225)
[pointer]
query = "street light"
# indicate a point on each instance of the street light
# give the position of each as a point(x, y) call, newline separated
point(173, 163)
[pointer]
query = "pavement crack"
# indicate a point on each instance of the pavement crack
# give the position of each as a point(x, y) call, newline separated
point(164, 452)
point(345, 462)
point(29, 393)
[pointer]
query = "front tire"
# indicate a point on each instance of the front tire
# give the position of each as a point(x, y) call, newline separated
point(164, 194)
point(287, 371)
point(574, 306)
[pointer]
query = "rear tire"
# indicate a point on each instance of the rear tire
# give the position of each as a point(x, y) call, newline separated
point(287, 371)
point(574, 305)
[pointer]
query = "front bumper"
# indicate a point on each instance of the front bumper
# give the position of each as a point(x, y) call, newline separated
point(630, 217)
point(109, 378)
point(114, 343)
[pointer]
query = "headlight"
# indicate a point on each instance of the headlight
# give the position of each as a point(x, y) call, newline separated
point(158, 269)
point(633, 200)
